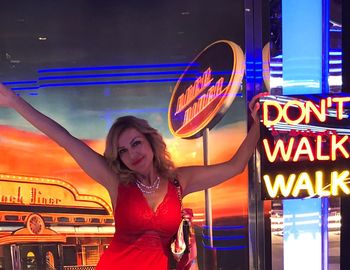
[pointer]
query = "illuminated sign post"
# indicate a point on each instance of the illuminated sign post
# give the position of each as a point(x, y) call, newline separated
point(305, 147)
point(200, 99)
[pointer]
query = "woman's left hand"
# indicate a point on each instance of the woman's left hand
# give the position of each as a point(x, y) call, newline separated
point(254, 106)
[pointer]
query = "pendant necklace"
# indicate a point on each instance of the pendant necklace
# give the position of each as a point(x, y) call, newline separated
point(148, 189)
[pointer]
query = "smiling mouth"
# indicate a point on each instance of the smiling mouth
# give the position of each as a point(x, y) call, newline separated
point(137, 161)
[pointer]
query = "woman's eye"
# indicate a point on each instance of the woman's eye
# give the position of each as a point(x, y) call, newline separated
point(136, 143)
point(122, 151)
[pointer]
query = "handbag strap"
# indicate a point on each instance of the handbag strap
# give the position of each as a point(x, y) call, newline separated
point(179, 192)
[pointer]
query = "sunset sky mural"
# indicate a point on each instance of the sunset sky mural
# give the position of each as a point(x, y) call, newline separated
point(33, 154)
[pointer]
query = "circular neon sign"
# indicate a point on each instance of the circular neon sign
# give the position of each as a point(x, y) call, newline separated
point(206, 89)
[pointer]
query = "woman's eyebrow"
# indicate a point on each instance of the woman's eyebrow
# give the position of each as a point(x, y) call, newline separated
point(132, 140)
point(135, 138)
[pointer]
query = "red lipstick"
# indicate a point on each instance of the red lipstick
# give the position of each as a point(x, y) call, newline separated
point(137, 161)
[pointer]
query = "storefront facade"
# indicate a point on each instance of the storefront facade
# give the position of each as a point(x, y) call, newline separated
point(150, 60)
point(47, 224)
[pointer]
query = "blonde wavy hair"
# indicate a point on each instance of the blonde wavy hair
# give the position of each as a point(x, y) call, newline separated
point(162, 160)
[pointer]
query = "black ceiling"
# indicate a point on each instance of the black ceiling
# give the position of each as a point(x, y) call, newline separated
point(93, 32)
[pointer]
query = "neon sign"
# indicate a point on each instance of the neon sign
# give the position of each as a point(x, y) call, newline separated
point(300, 139)
point(296, 184)
point(306, 110)
point(200, 101)
point(310, 148)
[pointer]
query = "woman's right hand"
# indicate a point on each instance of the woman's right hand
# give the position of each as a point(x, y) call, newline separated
point(7, 96)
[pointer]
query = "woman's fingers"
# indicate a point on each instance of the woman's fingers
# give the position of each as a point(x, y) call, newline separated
point(254, 105)
point(255, 100)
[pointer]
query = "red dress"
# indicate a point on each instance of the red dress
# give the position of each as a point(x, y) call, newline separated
point(142, 237)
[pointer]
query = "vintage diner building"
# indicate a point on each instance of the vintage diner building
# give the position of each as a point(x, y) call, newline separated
point(46, 224)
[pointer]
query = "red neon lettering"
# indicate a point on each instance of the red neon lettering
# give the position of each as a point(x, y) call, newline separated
point(214, 92)
point(302, 110)
point(307, 132)
point(180, 102)
point(271, 103)
point(306, 110)
point(279, 150)
point(193, 91)
point(338, 145)
point(318, 111)
point(319, 155)
point(340, 105)
point(304, 148)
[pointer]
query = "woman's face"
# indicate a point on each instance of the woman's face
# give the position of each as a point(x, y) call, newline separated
point(135, 151)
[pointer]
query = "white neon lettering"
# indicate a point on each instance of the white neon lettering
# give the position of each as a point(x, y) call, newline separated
point(294, 184)
point(337, 181)
point(279, 185)
point(320, 189)
point(303, 183)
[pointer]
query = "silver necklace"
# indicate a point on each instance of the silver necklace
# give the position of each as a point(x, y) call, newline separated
point(148, 189)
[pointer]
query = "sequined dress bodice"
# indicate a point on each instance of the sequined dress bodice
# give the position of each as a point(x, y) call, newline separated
point(142, 236)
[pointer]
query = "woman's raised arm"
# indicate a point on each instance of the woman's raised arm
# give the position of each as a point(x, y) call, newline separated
point(196, 178)
point(90, 161)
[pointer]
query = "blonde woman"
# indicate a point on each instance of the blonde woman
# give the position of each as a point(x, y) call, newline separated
point(138, 173)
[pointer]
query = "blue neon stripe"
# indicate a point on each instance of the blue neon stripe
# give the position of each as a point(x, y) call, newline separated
point(225, 248)
point(233, 237)
point(253, 63)
point(130, 74)
point(223, 228)
point(116, 67)
point(106, 83)
point(98, 83)
point(116, 75)
point(110, 82)
point(25, 88)
point(256, 70)
point(137, 111)
point(19, 82)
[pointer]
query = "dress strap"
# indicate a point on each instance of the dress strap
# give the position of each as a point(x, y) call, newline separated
point(179, 190)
